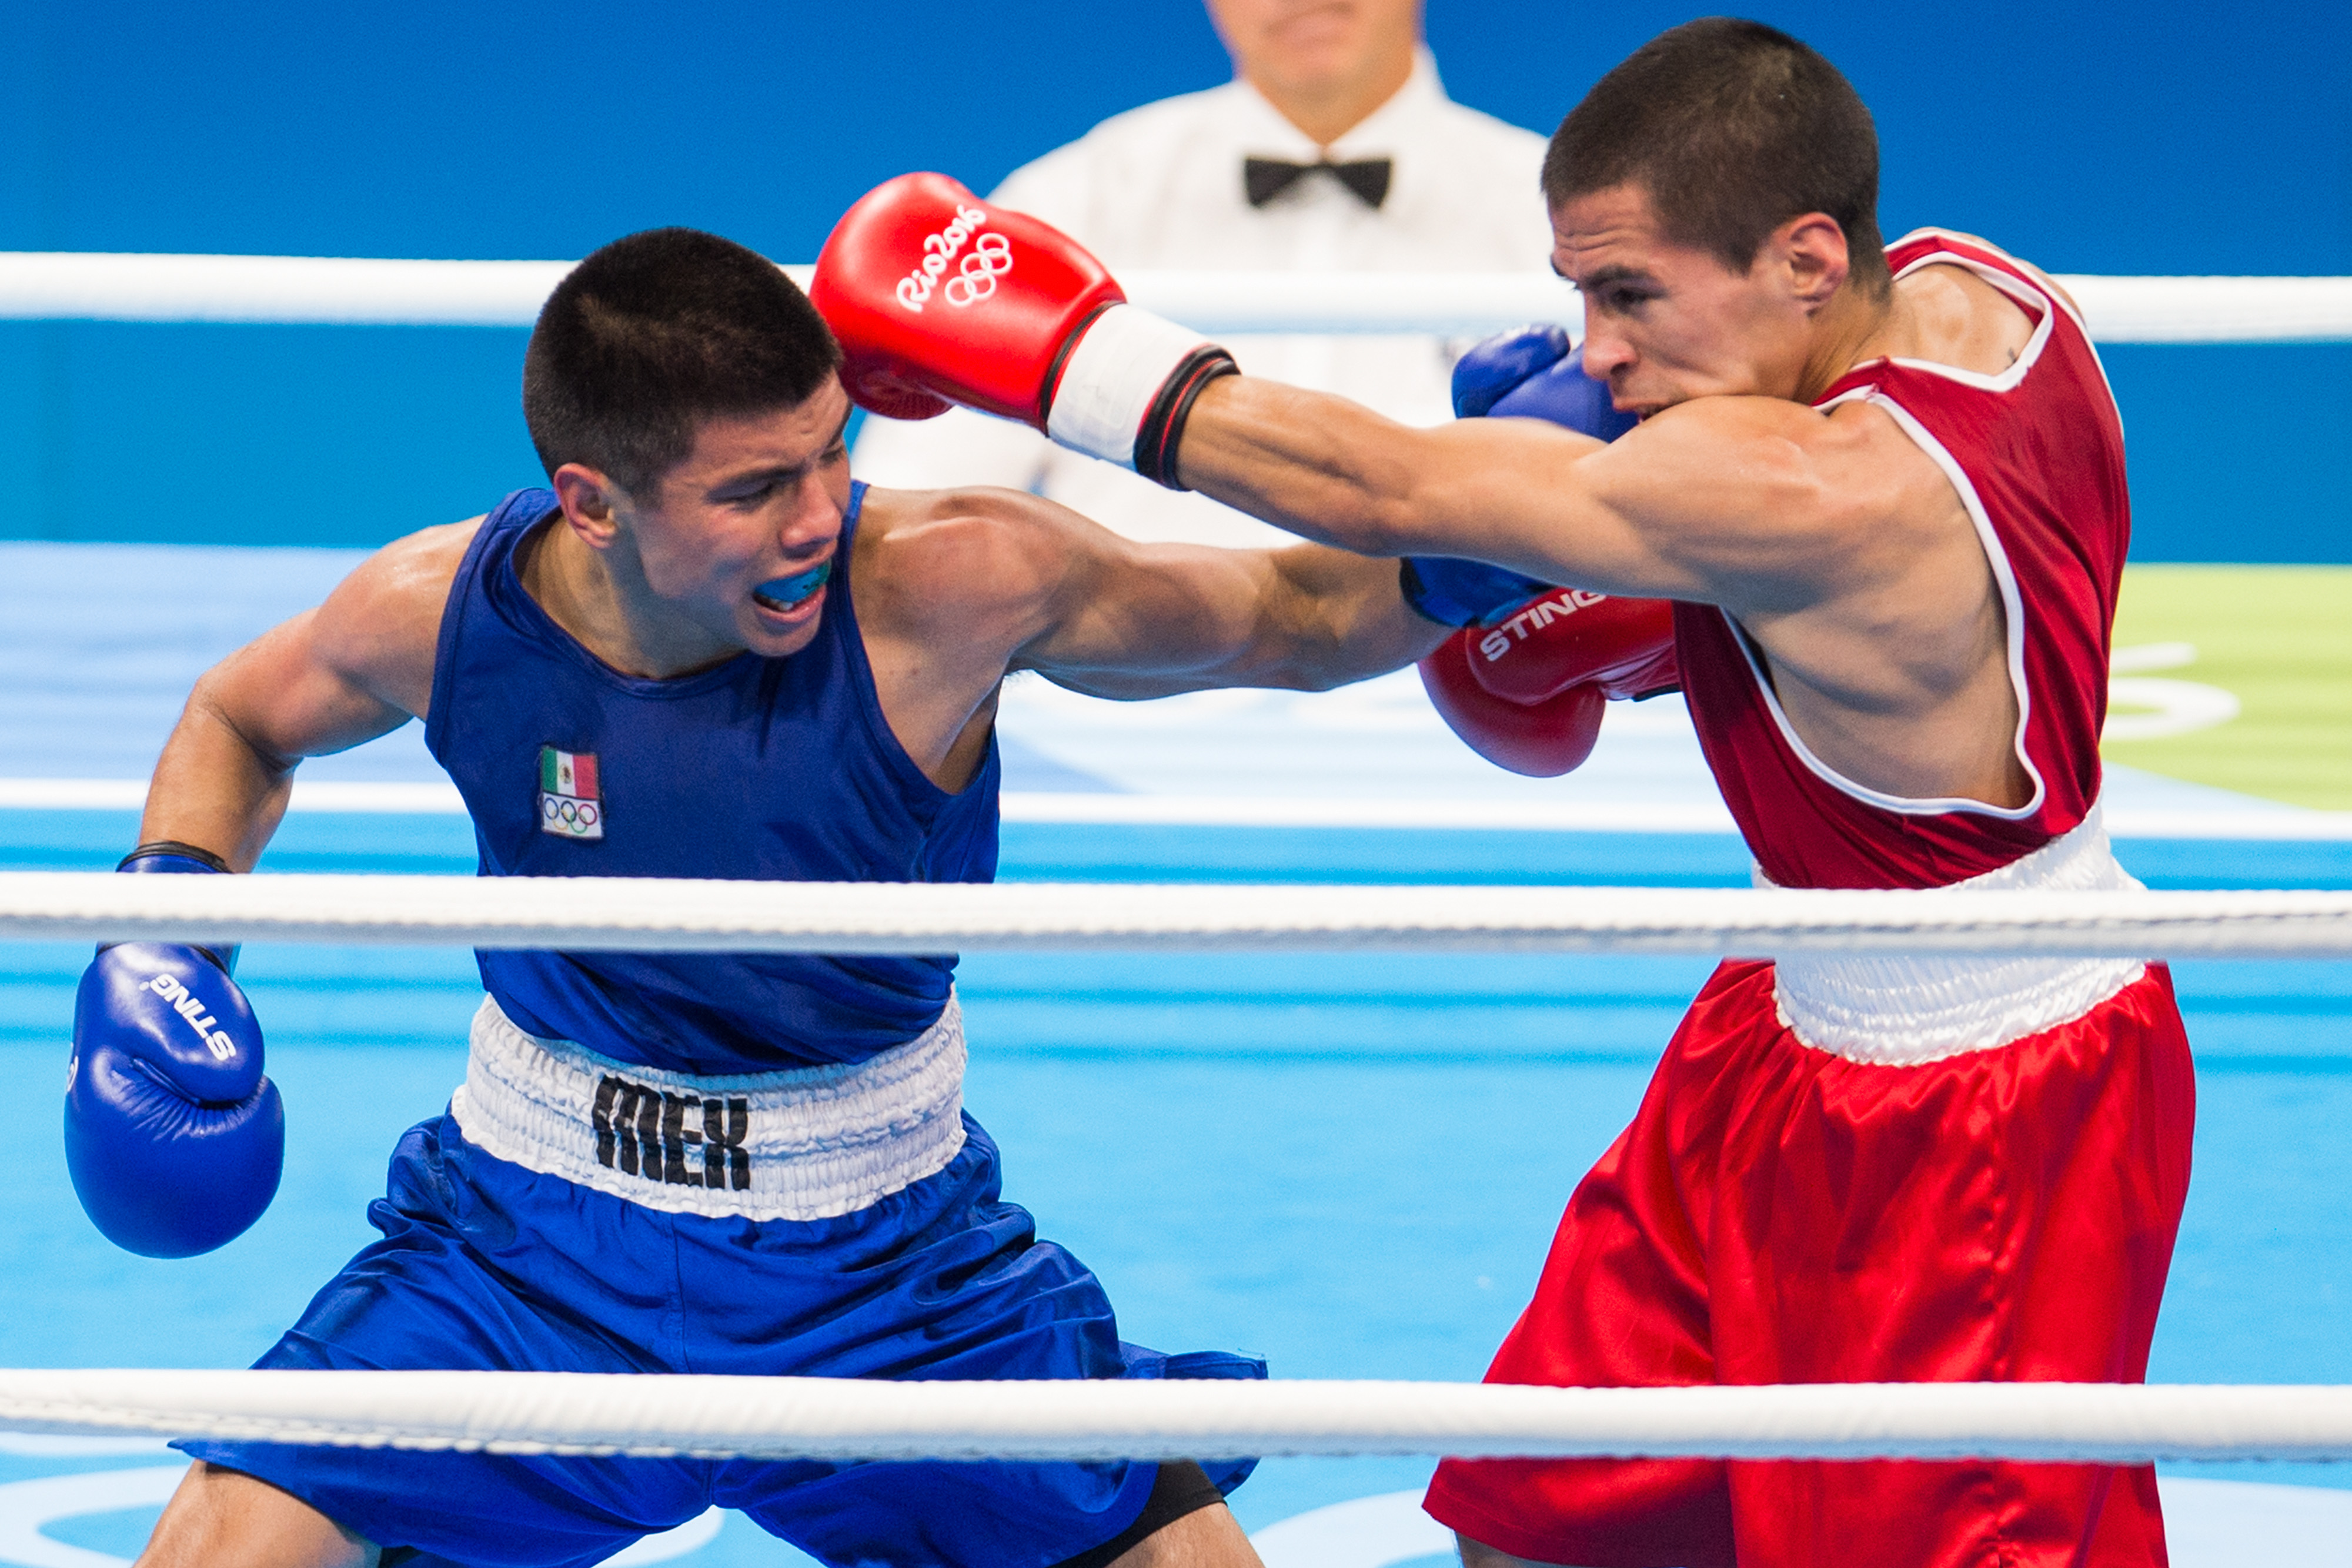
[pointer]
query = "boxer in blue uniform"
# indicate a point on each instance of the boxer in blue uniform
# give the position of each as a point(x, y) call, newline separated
point(703, 651)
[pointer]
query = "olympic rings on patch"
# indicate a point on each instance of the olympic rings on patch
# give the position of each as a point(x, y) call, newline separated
point(572, 813)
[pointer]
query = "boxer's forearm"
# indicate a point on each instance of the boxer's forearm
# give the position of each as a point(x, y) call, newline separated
point(1725, 500)
point(215, 789)
point(1509, 491)
point(1323, 467)
point(1341, 619)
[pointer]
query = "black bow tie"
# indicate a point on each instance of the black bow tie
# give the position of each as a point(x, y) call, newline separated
point(1267, 178)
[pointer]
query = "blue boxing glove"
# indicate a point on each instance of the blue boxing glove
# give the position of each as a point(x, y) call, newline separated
point(175, 1139)
point(1531, 374)
point(1535, 373)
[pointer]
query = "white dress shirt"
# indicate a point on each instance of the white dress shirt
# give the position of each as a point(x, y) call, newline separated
point(1160, 187)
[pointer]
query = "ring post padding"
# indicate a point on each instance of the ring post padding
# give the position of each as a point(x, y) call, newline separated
point(852, 1419)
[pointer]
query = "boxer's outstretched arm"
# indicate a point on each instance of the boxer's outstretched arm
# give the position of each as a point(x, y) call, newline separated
point(1017, 579)
point(1149, 621)
point(1748, 502)
point(358, 666)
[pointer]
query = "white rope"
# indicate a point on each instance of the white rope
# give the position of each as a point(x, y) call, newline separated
point(66, 286)
point(845, 1419)
point(646, 913)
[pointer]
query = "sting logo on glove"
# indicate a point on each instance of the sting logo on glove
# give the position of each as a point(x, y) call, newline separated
point(1537, 615)
point(976, 274)
point(191, 1008)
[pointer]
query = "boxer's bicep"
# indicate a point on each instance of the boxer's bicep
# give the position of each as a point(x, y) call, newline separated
point(1744, 502)
point(226, 772)
point(1135, 620)
point(357, 666)
point(285, 698)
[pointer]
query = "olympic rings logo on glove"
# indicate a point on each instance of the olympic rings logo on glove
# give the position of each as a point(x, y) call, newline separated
point(977, 272)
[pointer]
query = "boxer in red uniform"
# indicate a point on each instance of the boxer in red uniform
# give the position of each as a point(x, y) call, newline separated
point(1885, 486)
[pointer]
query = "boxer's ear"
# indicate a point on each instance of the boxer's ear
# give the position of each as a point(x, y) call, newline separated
point(590, 500)
point(1811, 255)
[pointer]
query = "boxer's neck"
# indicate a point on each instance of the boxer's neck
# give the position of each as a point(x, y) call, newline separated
point(1855, 325)
point(601, 599)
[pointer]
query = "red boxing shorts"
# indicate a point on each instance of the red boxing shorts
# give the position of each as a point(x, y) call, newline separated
point(1780, 1214)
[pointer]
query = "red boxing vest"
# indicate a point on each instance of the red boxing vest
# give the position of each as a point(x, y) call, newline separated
point(2037, 455)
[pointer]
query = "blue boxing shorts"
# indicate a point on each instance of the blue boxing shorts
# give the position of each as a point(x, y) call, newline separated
point(619, 1241)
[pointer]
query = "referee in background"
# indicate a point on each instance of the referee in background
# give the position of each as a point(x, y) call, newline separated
point(1334, 149)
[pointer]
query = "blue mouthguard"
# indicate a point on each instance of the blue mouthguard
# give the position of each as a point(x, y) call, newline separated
point(790, 591)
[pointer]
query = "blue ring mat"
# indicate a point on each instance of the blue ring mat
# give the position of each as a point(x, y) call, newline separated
point(1351, 1166)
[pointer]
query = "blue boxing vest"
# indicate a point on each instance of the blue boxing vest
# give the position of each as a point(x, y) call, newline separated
point(778, 770)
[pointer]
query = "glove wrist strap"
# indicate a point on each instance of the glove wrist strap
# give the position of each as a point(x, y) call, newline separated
point(193, 858)
point(178, 851)
point(1127, 385)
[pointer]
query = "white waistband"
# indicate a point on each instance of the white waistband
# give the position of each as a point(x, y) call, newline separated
point(804, 1143)
point(1901, 1011)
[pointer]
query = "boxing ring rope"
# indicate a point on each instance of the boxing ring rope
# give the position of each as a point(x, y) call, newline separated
point(347, 291)
point(856, 1418)
point(645, 913)
point(845, 1419)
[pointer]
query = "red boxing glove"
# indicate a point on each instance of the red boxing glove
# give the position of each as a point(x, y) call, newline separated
point(1543, 739)
point(938, 298)
point(1566, 637)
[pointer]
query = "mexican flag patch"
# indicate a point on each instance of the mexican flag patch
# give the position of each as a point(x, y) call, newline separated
point(569, 804)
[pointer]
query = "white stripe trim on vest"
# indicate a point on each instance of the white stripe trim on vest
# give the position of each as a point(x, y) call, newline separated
point(1902, 1011)
point(807, 1142)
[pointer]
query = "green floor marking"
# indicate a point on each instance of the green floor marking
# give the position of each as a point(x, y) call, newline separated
point(2279, 639)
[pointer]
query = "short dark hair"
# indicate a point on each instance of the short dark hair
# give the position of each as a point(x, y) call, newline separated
point(1731, 127)
point(655, 332)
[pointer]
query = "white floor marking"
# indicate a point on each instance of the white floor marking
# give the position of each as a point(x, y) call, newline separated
point(2208, 1524)
point(2229, 1524)
point(692, 1536)
point(2141, 657)
point(26, 1506)
point(1369, 1532)
point(2173, 707)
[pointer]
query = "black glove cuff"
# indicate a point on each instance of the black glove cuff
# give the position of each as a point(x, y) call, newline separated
point(1163, 431)
point(174, 847)
point(222, 954)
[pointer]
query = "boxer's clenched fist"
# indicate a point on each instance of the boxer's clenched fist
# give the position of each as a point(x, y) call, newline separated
point(1566, 637)
point(1533, 373)
point(1527, 692)
point(938, 298)
point(1541, 739)
point(174, 1138)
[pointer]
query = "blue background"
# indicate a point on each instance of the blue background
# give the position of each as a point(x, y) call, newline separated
point(2152, 138)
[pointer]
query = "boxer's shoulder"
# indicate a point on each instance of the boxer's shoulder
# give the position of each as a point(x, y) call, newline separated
point(381, 623)
point(941, 558)
point(1957, 319)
